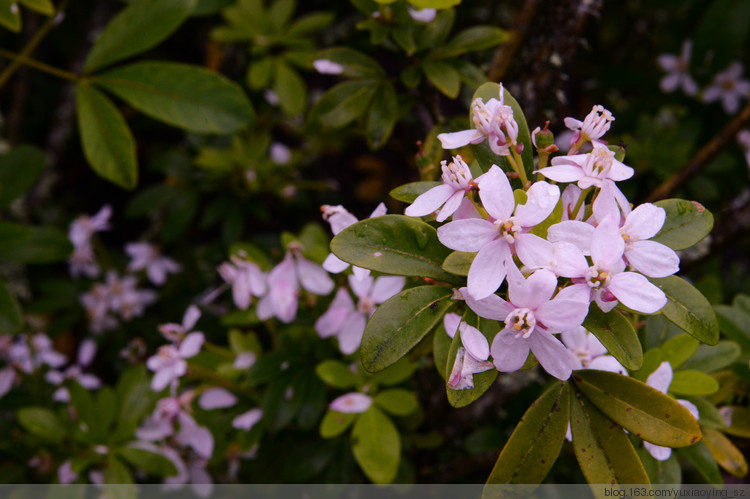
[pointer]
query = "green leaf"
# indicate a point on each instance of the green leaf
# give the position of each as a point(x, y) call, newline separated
point(535, 443)
point(735, 323)
point(471, 40)
point(443, 76)
point(376, 446)
point(702, 460)
point(492, 91)
point(290, 88)
point(690, 382)
point(434, 4)
point(441, 345)
point(336, 374)
point(395, 373)
point(394, 244)
point(640, 409)
point(355, 63)
point(617, 335)
point(107, 141)
point(411, 191)
point(710, 417)
point(458, 263)
point(436, 32)
point(400, 323)
point(19, 169)
point(134, 395)
point(726, 454)
point(259, 72)
point(44, 7)
point(688, 309)
point(382, 116)
point(403, 35)
point(147, 461)
point(10, 15)
point(687, 223)
point(118, 481)
point(678, 349)
point(335, 423)
point(345, 102)
point(42, 423)
point(398, 402)
point(34, 244)
point(602, 448)
point(740, 421)
point(310, 23)
point(11, 318)
point(661, 472)
point(138, 27)
point(189, 97)
point(280, 12)
point(482, 381)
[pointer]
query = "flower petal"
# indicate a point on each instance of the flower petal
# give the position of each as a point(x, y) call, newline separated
point(385, 287)
point(534, 290)
point(428, 202)
point(562, 173)
point(573, 232)
point(607, 244)
point(492, 307)
point(637, 293)
point(653, 259)
point(561, 315)
point(508, 353)
point(661, 378)
point(569, 260)
point(450, 323)
point(379, 211)
point(459, 139)
point(191, 345)
point(657, 451)
point(351, 332)
point(351, 403)
point(450, 206)
point(192, 314)
point(468, 235)
point(247, 420)
point(313, 277)
point(644, 222)
point(487, 271)
point(542, 199)
point(607, 363)
point(330, 322)
point(496, 193)
point(361, 287)
point(334, 264)
point(576, 338)
point(552, 354)
point(474, 342)
point(216, 398)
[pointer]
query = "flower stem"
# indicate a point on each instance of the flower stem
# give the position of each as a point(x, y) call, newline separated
point(580, 202)
point(22, 58)
point(515, 161)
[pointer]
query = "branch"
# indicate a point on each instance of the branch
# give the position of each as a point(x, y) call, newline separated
point(505, 53)
point(702, 157)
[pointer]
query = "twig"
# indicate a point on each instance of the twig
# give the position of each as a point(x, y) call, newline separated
point(702, 157)
point(505, 53)
point(22, 59)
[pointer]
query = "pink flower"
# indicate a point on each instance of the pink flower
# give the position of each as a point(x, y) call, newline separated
point(678, 71)
point(246, 279)
point(340, 219)
point(589, 352)
point(730, 87)
point(81, 230)
point(247, 420)
point(457, 181)
point(590, 169)
point(284, 283)
point(531, 316)
point(146, 256)
point(169, 362)
point(506, 230)
point(660, 379)
point(345, 320)
point(493, 121)
point(86, 354)
point(593, 126)
point(422, 15)
point(216, 398)
point(471, 358)
point(351, 403)
point(324, 66)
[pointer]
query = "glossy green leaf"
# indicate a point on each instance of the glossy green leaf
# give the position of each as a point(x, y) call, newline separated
point(411, 191)
point(42, 423)
point(443, 76)
point(382, 116)
point(45, 7)
point(401, 322)
point(376, 445)
point(395, 373)
point(290, 88)
point(724, 451)
point(310, 23)
point(739, 418)
point(34, 244)
point(482, 381)
point(398, 401)
point(536, 441)
point(602, 448)
point(107, 142)
point(336, 374)
point(661, 472)
point(434, 4)
point(735, 323)
point(687, 223)
point(147, 461)
point(345, 102)
point(492, 91)
point(134, 395)
point(688, 309)
point(355, 63)
point(189, 97)
point(458, 263)
point(260, 71)
point(394, 244)
point(640, 409)
point(19, 169)
point(702, 460)
point(118, 480)
point(617, 334)
point(403, 35)
point(441, 345)
point(471, 40)
point(11, 320)
point(710, 417)
point(138, 27)
point(679, 349)
point(10, 15)
point(335, 423)
point(691, 382)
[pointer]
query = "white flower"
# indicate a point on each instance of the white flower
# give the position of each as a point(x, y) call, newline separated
point(590, 169)
point(660, 379)
point(457, 181)
point(422, 15)
point(324, 66)
point(169, 362)
point(593, 126)
point(678, 71)
point(84, 227)
point(146, 256)
point(729, 86)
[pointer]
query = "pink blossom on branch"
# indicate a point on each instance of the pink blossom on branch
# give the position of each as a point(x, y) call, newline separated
point(457, 181)
point(678, 71)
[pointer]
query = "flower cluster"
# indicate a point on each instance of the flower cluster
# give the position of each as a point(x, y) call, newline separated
point(599, 250)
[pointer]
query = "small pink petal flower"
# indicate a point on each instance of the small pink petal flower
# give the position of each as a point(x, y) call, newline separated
point(216, 398)
point(351, 403)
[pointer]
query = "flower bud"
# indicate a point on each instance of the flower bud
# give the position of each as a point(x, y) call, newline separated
point(543, 139)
